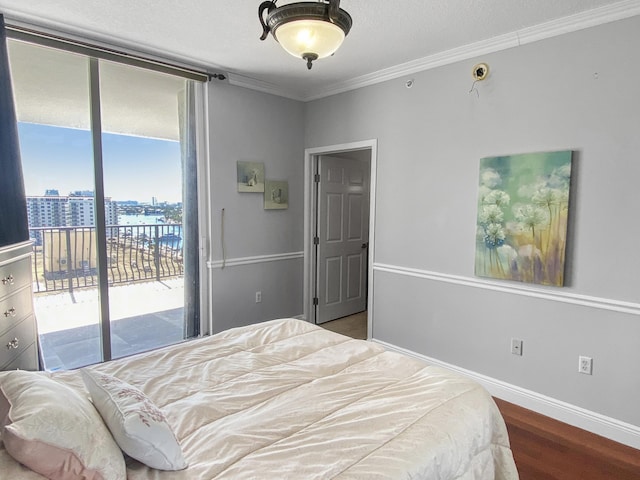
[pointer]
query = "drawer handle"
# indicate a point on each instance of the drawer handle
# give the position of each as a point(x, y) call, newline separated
point(10, 313)
point(13, 344)
point(8, 280)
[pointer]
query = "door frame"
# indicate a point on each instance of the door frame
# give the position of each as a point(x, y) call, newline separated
point(310, 158)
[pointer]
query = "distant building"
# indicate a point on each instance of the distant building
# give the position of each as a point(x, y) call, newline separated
point(81, 193)
point(75, 210)
point(47, 211)
point(81, 213)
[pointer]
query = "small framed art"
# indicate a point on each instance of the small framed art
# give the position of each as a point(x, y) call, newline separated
point(250, 177)
point(276, 195)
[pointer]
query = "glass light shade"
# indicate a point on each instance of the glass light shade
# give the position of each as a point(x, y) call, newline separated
point(309, 36)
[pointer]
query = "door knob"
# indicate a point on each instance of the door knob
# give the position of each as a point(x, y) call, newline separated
point(365, 245)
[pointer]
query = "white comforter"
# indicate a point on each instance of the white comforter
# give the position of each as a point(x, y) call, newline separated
point(286, 399)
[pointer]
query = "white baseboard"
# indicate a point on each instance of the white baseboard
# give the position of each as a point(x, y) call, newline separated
point(608, 427)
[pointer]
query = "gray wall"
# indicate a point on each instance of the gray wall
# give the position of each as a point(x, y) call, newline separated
point(578, 91)
point(250, 126)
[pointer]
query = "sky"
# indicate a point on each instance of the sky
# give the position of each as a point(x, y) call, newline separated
point(135, 168)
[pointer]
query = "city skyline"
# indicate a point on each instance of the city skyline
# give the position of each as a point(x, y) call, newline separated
point(135, 168)
point(52, 192)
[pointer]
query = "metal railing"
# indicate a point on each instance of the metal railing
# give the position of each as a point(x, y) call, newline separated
point(65, 258)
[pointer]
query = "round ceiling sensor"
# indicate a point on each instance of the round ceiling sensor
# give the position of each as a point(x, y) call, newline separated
point(480, 71)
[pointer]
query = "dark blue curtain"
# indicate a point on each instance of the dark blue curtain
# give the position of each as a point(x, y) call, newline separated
point(13, 204)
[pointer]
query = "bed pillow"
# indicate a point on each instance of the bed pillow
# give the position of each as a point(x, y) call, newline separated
point(55, 431)
point(138, 426)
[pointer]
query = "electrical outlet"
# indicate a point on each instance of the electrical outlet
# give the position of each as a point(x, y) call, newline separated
point(258, 297)
point(585, 365)
point(516, 346)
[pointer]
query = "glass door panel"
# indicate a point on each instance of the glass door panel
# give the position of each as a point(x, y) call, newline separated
point(57, 155)
point(143, 188)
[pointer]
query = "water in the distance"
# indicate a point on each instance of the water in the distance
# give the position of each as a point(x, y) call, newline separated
point(169, 235)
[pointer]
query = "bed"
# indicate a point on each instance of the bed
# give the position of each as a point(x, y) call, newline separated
point(287, 399)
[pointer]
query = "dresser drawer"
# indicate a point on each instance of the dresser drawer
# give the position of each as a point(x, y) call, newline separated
point(14, 276)
point(15, 308)
point(27, 360)
point(17, 340)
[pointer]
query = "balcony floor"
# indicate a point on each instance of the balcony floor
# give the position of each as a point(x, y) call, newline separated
point(144, 316)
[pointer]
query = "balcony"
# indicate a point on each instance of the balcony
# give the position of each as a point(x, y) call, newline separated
point(146, 291)
point(65, 257)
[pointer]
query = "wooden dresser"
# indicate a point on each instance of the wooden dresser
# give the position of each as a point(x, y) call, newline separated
point(18, 337)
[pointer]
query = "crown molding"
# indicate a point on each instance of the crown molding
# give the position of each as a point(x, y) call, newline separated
point(590, 18)
point(580, 21)
point(573, 23)
point(239, 80)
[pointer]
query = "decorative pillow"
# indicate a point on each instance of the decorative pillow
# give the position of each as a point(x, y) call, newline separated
point(54, 430)
point(139, 427)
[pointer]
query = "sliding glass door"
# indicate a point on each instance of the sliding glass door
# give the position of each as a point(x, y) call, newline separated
point(143, 176)
point(105, 148)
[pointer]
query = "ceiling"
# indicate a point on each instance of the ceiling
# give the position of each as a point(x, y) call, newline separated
point(388, 38)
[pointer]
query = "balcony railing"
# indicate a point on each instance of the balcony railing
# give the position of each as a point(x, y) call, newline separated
point(64, 258)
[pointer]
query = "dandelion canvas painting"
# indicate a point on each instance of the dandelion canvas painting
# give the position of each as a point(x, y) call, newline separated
point(523, 207)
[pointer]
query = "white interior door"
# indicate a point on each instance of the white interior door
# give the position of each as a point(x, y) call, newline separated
point(342, 237)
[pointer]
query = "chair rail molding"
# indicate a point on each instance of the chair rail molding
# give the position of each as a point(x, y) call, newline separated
point(614, 305)
point(234, 262)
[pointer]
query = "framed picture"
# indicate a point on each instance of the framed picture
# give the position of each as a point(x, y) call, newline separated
point(251, 177)
point(523, 208)
point(276, 194)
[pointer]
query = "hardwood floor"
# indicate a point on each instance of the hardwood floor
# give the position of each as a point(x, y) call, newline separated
point(546, 449)
point(354, 326)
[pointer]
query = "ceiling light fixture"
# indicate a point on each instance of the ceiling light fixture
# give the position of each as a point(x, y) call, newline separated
point(307, 30)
